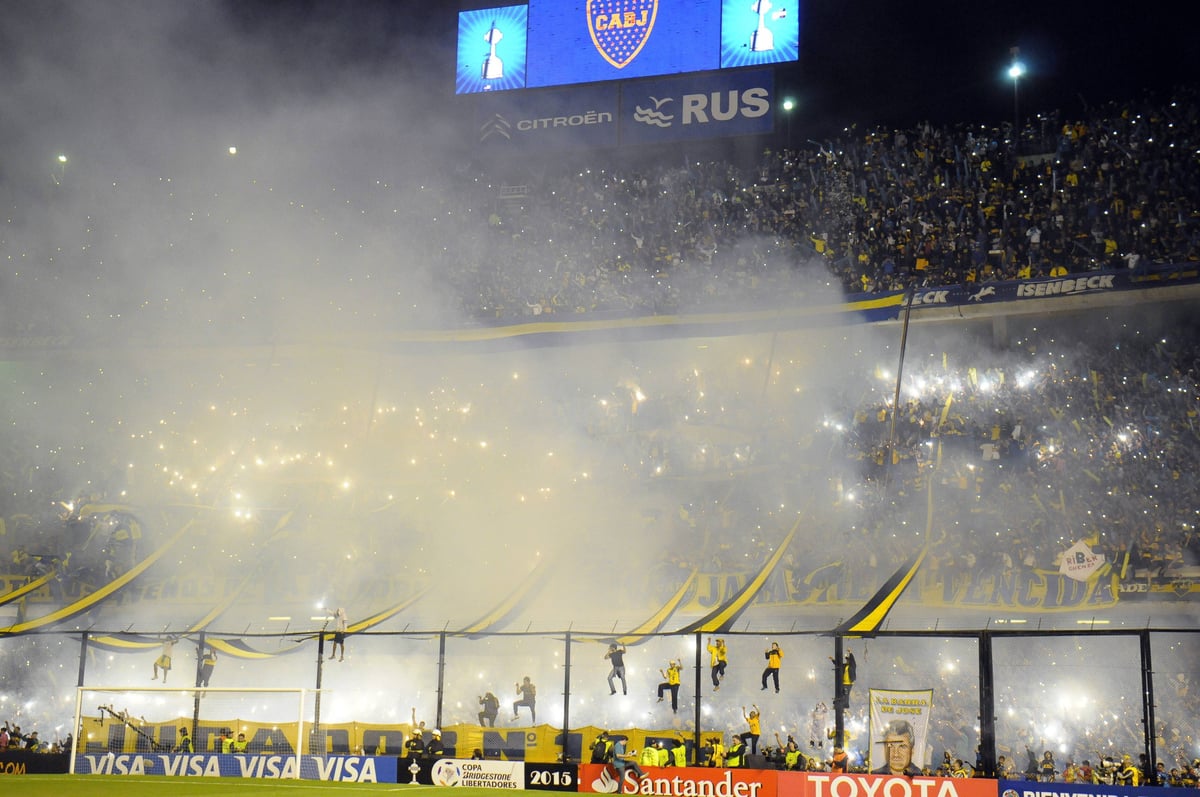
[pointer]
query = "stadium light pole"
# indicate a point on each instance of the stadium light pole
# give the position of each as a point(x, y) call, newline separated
point(315, 734)
point(788, 105)
point(1016, 70)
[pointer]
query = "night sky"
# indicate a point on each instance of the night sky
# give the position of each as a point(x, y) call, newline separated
point(869, 62)
point(946, 61)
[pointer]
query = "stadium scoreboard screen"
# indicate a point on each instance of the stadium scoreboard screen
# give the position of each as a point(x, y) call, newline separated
point(562, 42)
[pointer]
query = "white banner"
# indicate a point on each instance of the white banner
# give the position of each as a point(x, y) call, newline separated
point(483, 774)
point(899, 728)
point(1079, 562)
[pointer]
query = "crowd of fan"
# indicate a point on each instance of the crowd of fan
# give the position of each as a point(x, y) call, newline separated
point(1054, 445)
point(1049, 442)
point(13, 738)
point(1042, 445)
point(1030, 450)
point(1101, 745)
point(878, 210)
point(1072, 433)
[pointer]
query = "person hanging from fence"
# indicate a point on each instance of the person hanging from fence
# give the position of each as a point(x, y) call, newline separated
point(719, 660)
point(816, 728)
point(491, 708)
point(207, 662)
point(339, 633)
point(528, 693)
point(163, 662)
point(671, 683)
point(847, 674)
point(616, 657)
point(774, 657)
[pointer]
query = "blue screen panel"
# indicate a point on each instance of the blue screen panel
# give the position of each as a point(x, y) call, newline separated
point(582, 41)
point(755, 32)
point(491, 49)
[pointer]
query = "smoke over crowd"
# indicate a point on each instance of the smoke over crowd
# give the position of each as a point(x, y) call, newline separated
point(237, 255)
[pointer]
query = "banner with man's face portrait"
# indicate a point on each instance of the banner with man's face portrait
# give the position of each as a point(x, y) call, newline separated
point(899, 728)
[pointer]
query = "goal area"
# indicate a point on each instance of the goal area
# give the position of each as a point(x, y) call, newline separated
point(126, 730)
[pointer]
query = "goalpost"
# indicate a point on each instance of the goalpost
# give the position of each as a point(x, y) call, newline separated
point(147, 725)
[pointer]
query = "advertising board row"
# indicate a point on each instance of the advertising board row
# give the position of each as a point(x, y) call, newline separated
point(589, 778)
point(611, 115)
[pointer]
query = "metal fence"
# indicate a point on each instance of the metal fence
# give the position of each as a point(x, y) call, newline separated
point(1010, 692)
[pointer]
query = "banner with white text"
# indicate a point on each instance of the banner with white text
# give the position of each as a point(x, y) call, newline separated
point(348, 769)
point(899, 728)
point(828, 784)
point(1025, 788)
point(679, 781)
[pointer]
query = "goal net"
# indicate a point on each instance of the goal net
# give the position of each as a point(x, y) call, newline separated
point(184, 730)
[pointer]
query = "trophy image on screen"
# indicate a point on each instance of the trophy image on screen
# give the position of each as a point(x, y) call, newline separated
point(763, 39)
point(493, 67)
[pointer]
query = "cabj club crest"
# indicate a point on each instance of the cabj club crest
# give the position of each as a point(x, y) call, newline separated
point(620, 28)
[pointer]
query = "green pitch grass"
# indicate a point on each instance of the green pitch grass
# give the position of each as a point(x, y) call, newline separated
point(137, 786)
